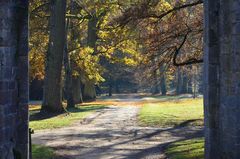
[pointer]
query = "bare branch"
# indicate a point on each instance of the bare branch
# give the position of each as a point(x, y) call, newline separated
point(187, 62)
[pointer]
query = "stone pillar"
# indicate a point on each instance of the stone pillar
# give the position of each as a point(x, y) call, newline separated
point(222, 79)
point(13, 79)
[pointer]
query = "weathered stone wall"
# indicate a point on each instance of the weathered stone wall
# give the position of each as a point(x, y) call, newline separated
point(222, 79)
point(13, 79)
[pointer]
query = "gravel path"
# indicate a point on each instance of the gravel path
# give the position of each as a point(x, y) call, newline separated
point(111, 133)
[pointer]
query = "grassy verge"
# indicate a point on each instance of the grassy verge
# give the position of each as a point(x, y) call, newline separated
point(180, 112)
point(41, 152)
point(187, 149)
point(51, 121)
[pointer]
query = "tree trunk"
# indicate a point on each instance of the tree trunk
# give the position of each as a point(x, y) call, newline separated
point(201, 80)
point(194, 86)
point(110, 90)
point(89, 92)
point(190, 85)
point(163, 82)
point(194, 81)
point(222, 74)
point(179, 81)
point(52, 98)
point(77, 90)
point(68, 72)
point(155, 88)
point(92, 32)
point(14, 79)
point(184, 83)
point(190, 81)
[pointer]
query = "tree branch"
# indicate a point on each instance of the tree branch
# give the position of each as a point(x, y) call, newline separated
point(175, 9)
point(187, 62)
point(131, 16)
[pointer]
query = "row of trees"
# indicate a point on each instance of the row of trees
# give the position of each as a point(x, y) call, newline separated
point(171, 80)
point(76, 45)
point(170, 35)
point(181, 80)
point(70, 40)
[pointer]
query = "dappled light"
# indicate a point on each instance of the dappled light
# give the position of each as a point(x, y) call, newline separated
point(111, 79)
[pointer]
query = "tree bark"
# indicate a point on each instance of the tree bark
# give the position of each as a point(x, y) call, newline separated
point(67, 64)
point(155, 88)
point(68, 72)
point(52, 98)
point(89, 92)
point(163, 82)
point(222, 74)
point(194, 86)
point(179, 81)
point(190, 85)
point(184, 82)
point(77, 90)
point(194, 81)
point(201, 80)
point(14, 79)
point(92, 32)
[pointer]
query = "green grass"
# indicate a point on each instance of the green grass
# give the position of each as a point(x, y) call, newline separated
point(180, 112)
point(168, 97)
point(187, 149)
point(41, 152)
point(39, 122)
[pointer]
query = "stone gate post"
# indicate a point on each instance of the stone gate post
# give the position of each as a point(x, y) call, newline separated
point(14, 79)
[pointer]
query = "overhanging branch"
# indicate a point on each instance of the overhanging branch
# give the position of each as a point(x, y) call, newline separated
point(190, 61)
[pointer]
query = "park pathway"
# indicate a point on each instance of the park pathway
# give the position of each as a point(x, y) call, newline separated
point(111, 133)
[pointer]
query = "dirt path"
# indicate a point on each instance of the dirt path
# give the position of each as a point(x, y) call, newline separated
point(111, 133)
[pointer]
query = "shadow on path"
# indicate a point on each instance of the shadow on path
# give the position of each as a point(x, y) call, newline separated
point(113, 133)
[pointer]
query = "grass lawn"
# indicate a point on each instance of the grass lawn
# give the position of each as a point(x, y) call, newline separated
point(41, 152)
point(50, 121)
point(179, 112)
point(187, 149)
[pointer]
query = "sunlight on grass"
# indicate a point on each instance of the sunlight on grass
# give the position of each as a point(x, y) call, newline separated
point(41, 152)
point(62, 120)
point(172, 113)
point(34, 107)
point(187, 149)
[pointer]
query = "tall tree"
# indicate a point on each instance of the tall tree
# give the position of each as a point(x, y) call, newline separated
point(68, 72)
point(67, 62)
point(179, 81)
point(89, 92)
point(184, 82)
point(14, 79)
point(52, 98)
point(155, 87)
point(222, 74)
point(77, 90)
point(163, 81)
